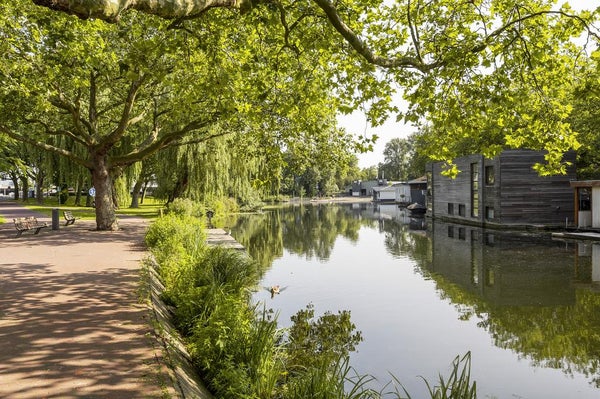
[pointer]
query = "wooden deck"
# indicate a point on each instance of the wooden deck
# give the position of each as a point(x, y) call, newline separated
point(589, 236)
point(222, 238)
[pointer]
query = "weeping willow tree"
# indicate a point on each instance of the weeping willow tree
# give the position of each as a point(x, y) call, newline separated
point(222, 168)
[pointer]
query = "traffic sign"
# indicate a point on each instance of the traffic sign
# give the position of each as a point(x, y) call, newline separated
point(92, 192)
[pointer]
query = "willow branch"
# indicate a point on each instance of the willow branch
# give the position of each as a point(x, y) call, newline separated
point(158, 143)
point(45, 146)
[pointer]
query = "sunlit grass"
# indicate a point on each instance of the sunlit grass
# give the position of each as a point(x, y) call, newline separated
point(151, 208)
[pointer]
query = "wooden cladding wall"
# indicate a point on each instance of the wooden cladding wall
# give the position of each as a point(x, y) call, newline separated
point(456, 192)
point(526, 197)
point(517, 194)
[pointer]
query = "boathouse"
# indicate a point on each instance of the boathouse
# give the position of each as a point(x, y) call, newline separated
point(397, 192)
point(505, 190)
point(364, 188)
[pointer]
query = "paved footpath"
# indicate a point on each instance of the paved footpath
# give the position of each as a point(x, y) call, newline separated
point(71, 323)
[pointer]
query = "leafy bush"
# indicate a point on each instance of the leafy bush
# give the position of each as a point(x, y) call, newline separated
point(185, 207)
point(175, 241)
point(222, 206)
point(63, 195)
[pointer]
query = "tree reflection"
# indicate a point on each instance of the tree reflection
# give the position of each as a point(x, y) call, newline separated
point(523, 291)
point(306, 230)
point(534, 296)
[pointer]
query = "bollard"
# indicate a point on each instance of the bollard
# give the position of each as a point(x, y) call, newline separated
point(55, 220)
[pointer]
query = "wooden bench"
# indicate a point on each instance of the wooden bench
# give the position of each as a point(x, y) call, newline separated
point(70, 219)
point(28, 223)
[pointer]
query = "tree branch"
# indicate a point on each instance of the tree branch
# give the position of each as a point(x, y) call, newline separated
point(59, 132)
point(46, 147)
point(110, 10)
point(361, 47)
point(125, 120)
point(157, 143)
point(59, 101)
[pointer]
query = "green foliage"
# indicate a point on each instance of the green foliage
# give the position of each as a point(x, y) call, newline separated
point(63, 195)
point(398, 154)
point(176, 239)
point(323, 341)
point(456, 386)
point(238, 348)
point(121, 191)
point(185, 207)
point(222, 206)
point(322, 382)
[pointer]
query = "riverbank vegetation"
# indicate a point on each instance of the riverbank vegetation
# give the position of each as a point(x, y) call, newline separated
point(237, 346)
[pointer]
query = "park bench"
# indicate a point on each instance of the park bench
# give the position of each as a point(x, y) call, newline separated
point(69, 217)
point(28, 223)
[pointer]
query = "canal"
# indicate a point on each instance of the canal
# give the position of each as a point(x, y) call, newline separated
point(523, 305)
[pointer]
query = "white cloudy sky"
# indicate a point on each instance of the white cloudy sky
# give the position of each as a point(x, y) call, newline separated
point(356, 123)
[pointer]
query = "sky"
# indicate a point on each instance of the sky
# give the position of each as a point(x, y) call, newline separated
point(356, 123)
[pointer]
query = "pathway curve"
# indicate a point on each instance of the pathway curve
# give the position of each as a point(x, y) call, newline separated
point(71, 325)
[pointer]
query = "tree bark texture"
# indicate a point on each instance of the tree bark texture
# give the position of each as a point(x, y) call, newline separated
point(135, 195)
point(101, 179)
point(110, 10)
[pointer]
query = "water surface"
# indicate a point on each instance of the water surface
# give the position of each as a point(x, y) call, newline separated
point(524, 305)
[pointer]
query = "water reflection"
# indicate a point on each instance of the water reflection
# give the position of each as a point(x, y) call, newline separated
point(535, 297)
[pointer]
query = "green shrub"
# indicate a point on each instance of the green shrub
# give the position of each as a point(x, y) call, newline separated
point(185, 207)
point(221, 206)
point(63, 195)
point(175, 241)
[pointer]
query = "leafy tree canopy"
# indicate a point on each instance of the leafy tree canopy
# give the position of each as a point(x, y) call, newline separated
point(495, 72)
point(106, 96)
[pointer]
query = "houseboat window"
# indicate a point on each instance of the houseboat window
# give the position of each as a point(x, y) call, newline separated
point(489, 212)
point(474, 190)
point(461, 209)
point(450, 209)
point(584, 199)
point(450, 231)
point(461, 233)
point(489, 175)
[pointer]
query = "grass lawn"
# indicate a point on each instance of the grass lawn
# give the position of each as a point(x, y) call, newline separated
point(149, 209)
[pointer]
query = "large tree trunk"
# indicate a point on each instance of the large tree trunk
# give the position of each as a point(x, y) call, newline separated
point(180, 187)
point(101, 179)
point(39, 185)
point(15, 180)
point(78, 190)
point(25, 186)
point(135, 195)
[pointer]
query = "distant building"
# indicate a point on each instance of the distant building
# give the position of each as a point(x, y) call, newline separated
point(504, 190)
point(397, 193)
point(360, 188)
point(6, 187)
point(418, 190)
